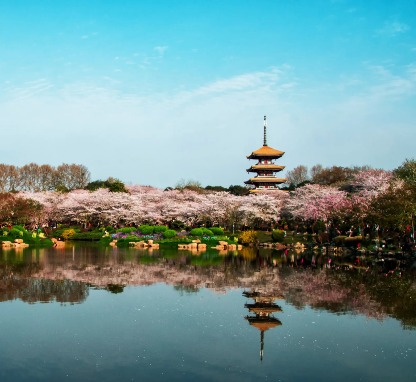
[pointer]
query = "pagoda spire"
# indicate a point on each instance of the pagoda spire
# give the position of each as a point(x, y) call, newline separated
point(265, 137)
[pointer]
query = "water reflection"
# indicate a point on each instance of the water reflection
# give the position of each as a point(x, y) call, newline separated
point(376, 288)
point(263, 309)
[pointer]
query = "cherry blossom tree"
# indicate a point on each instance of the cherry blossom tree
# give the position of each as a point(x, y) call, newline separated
point(314, 202)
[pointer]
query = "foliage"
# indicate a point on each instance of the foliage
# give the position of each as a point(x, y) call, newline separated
point(238, 190)
point(199, 232)
point(190, 184)
point(159, 228)
point(248, 237)
point(133, 238)
point(216, 188)
point(87, 236)
point(126, 229)
point(278, 235)
point(35, 238)
point(67, 234)
point(196, 232)
point(216, 231)
point(169, 233)
point(16, 233)
point(173, 242)
point(177, 225)
point(112, 184)
point(407, 172)
point(146, 229)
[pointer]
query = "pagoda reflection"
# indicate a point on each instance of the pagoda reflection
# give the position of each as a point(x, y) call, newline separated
point(262, 311)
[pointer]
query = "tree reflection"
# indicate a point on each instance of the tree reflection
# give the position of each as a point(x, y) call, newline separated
point(376, 288)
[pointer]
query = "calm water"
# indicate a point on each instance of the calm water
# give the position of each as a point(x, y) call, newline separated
point(92, 314)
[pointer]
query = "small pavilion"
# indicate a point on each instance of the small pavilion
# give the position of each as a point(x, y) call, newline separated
point(265, 168)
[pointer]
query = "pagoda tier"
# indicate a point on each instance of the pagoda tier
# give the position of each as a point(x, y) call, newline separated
point(265, 168)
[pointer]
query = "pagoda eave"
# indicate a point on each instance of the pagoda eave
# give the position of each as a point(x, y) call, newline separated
point(273, 168)
point(264, 156)
point(265, 180)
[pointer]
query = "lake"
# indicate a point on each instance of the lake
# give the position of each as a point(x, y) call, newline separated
point(87, 313)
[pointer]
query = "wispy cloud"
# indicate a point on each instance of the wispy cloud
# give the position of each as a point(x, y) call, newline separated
point(389, 84)
point(30, 89)
point(393, 28)
point(243, 82)
point(160, 50)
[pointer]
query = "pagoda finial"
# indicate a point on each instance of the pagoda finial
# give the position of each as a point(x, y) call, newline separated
point(265, 138)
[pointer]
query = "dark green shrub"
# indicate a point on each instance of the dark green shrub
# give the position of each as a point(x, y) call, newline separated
point(196, 232)
point(15, 233)
point(169, 233)
point(127, 229)
point(278, 235)
point(146, 229)
point(87, 236)
point(217, 230)
point(207, 232)
point(159, 228)
point(177, 225)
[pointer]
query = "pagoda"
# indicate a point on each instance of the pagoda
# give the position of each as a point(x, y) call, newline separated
point(265, 168)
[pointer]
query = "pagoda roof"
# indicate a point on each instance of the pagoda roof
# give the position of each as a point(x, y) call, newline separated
point(265, 151)
point(263, 296)
point(263, 308)
point(265, 179)
point(273, 167)
point(263, 323)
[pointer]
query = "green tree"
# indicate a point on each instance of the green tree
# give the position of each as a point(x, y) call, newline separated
point(238, 190)
point(407, 172)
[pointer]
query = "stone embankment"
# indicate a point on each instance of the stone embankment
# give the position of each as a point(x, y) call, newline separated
point(142, 244)
point(195, 246)
point(17, 243)
point(224, 246)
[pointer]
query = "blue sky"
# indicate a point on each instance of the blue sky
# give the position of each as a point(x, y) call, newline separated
point(152, 92)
